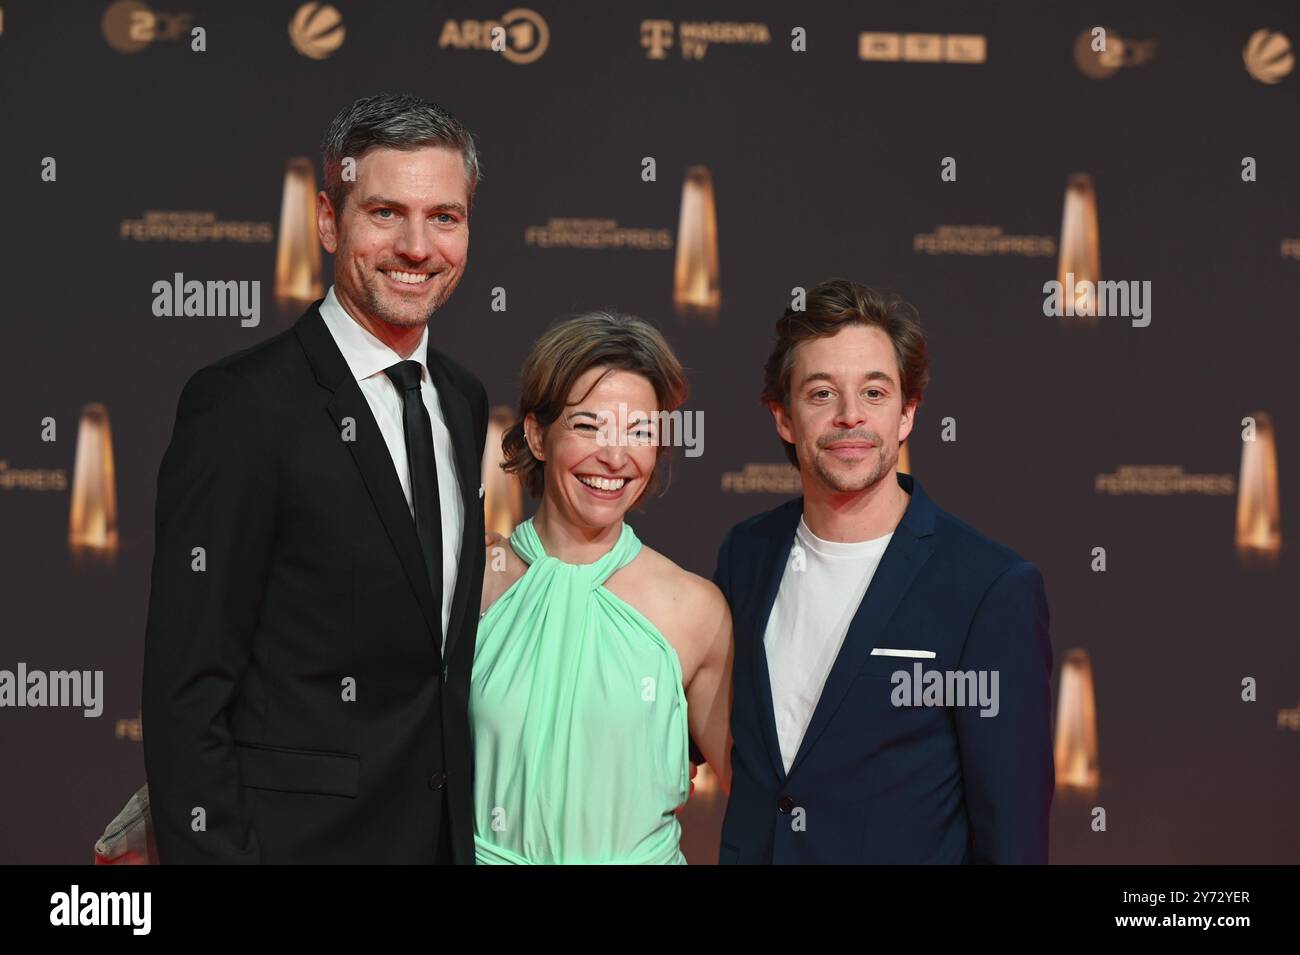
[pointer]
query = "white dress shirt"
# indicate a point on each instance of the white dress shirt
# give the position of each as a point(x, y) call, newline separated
point(823, 584)
point(367, 357)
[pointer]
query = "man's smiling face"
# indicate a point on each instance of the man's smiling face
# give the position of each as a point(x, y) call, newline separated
point(846, 416)
point(401, 239)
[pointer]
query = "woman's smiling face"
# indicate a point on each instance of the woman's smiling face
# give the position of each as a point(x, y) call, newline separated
point(601, 452)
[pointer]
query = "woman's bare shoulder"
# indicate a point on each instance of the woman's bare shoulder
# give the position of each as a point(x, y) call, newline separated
point(695, 602)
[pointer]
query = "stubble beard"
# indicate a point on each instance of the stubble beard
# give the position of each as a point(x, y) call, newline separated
point(376, 305)
point(846, 484)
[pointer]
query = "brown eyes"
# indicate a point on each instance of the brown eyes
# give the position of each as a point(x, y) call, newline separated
point(825, 391)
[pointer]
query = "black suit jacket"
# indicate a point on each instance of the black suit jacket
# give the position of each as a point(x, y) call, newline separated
point(297, 706)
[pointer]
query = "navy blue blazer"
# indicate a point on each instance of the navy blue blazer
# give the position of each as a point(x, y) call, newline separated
point(874, 782)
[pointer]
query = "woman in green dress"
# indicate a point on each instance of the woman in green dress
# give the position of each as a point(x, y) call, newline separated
point(596, 658)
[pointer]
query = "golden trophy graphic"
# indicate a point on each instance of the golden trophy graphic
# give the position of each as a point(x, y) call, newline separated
point(503, 497)
point(1259, 523)
point(297, 254)
point(1076, 726)
point(696, 289)
point(92, 521)
point(1080, 258)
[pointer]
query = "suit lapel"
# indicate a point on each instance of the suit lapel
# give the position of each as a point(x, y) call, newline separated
point(460, 424)
point(370, 454)
point(771, 570)
point(908, 550)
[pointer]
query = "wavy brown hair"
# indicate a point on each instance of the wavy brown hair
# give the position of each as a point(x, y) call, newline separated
point(567, 351)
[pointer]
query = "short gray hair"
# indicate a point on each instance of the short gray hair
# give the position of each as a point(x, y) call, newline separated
point(394, 121)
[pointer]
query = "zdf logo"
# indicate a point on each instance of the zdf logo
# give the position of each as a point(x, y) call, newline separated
point(129, 25)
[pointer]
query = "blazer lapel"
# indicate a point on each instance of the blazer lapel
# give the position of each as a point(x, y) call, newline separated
point(771, 569)
point(460, 423)
point(371, 456)
point(908, 550)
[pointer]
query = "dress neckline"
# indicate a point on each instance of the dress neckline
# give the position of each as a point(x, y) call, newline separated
point(528, 545)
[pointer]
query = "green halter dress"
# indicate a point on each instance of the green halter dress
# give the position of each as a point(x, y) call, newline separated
point(581, 753)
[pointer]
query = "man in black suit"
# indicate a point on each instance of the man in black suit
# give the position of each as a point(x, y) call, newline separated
point(319, 542)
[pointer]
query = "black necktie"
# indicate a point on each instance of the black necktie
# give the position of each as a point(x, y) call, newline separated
point(424, 475)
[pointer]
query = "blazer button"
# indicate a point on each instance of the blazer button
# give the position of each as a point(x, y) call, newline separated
point(785, 804)
point(437, 780)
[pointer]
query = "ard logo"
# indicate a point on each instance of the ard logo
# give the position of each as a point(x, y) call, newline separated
point(520, 36)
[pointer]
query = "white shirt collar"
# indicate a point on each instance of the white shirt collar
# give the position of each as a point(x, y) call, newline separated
point(365, 354)
point(866, 548)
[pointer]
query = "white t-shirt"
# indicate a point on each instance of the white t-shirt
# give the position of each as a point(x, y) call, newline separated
point(823, 584)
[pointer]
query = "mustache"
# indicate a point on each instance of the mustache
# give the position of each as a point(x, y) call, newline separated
point(829, 439)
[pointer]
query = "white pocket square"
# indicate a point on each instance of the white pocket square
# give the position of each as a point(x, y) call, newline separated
point(891, 652)
point(480, 491)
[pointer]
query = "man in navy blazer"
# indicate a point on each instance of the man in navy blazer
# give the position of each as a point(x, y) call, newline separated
point(892, 697)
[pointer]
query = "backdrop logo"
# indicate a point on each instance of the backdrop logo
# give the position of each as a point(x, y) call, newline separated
point(1289, 719)
point(1161, 481)
point(1268, 56)
point(697, 290)
point(297, 256)
point(656, 37)
point(158, 225)
point(1259, 523)
point(130, 728)
point(1080, 254)
point(521, 35)
point(92, 517)
point(923, 47)
point(695, 37)
point(503, 494)
point(1100, 52)
point(595, 234)
point(32, 479)
point(980, 240)
point(129, 25)
point(316, 30)
point(1074, 749)
point(756, 478)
